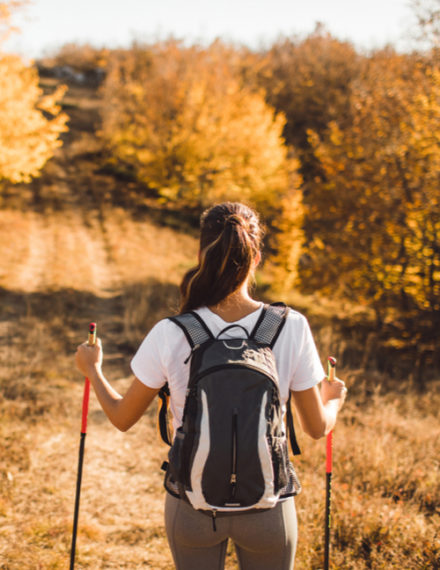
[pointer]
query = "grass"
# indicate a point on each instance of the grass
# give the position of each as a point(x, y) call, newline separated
point(386, 486)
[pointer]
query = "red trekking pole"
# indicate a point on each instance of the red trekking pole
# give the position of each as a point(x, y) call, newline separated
point(328, 468)
point(85, 411)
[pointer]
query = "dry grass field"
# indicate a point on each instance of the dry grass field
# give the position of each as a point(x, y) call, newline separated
point(68, 258)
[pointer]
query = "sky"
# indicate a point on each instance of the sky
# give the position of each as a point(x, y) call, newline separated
point(48, 24)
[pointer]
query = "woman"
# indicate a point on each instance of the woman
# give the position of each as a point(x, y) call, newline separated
point(218, 290)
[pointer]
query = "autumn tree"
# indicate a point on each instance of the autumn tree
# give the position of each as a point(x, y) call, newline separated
point(373, 215)
point(310, 82)
point(184, 123)
point(30, 122)
point(83, 58)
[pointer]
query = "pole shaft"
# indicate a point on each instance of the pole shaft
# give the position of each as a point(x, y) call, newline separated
point(85, 408)
point(84, 414)
point(328, 475)
point(329, 453)
point(327, 520)
point(77, 498)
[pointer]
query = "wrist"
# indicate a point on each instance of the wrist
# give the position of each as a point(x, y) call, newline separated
point(94, 371)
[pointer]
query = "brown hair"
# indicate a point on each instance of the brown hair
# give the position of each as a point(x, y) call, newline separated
point(230, 240)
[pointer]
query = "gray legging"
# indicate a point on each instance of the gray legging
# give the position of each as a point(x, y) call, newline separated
point(263, 541)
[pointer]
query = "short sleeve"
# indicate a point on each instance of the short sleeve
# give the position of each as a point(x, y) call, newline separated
point(308, 370)
point(148, 364)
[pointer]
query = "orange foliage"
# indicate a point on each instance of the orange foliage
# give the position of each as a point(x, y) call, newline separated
point(374, 208)
point(183, 121)
point(310, 82)
point(80, 57)
point(30, 123)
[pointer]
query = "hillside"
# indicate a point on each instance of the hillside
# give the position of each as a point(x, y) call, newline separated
point(74, 249)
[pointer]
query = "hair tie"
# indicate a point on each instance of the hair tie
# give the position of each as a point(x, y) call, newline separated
point(236, 220)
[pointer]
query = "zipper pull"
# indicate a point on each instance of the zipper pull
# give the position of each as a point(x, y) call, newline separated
point(195, 347)
point(214, 516)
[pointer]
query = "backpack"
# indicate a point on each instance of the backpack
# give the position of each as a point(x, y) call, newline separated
point(230, 453)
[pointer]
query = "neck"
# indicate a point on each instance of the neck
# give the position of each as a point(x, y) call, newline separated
point(236, 305)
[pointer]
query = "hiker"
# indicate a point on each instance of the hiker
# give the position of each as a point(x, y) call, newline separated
point(217, 291)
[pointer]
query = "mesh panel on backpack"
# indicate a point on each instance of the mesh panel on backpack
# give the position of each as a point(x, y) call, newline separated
point(267, 330)
point(191, 326)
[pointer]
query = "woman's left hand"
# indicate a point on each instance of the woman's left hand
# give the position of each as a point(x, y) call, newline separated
point(88, 358)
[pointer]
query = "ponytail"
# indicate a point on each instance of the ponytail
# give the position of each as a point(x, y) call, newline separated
point(230, 240)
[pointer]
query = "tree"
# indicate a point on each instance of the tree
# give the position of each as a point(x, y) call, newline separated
point(374, 210)
point(310, 82)
point(184, 123)
point(30, 122)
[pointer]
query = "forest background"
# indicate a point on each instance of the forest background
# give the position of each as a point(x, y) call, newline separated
point(107, 158)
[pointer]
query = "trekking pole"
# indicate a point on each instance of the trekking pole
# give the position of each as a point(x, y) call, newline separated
point(85, 411)
point(328, 468)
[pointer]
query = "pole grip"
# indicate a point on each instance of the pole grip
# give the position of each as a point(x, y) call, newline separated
point(92, 334)
point(331, 367)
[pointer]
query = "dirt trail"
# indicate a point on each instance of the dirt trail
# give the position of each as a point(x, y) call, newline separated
point(58, 251)
point(121, 506)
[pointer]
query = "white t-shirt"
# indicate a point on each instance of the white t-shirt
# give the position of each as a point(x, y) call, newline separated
point(162, 354)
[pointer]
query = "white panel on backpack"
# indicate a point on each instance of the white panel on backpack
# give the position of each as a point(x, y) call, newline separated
point(195, 496)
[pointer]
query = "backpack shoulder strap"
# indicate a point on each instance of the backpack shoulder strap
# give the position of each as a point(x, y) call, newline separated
point(291, 429)
point(270, 323)
point(196, 332)
point(194, 328)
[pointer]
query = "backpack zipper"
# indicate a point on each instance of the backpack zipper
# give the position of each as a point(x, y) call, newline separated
point(214, 516)
point(233, 478)
point(195, 347)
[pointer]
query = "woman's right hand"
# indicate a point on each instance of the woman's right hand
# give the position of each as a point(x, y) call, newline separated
point(334, 390)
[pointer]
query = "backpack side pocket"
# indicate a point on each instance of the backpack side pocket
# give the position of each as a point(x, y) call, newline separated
point(280, 462)
point(175, 456)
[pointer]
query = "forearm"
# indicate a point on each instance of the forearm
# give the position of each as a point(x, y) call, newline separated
point(323, 422)
point(108, 397)
point(317, 415)
point(122, 411)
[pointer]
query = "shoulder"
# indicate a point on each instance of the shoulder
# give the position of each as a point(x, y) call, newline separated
point(164, 333)
point(295, 316)
point(295, 319)
point(166, 328)
point(162, 342)
point(296, 325)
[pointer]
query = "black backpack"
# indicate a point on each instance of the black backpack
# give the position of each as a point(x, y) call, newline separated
point(230, 454)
